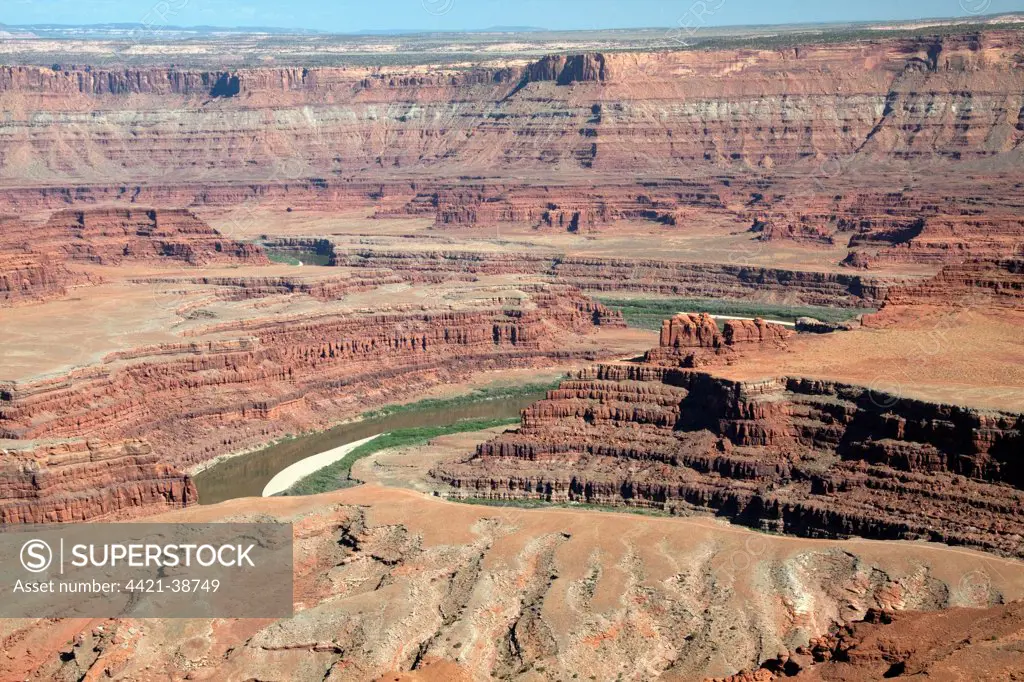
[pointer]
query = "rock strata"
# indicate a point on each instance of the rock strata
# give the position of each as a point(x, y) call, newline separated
point(111, 236)
point(36, 260)
point(636, 275)
point(949, 98)
point(784, 454)
point(694, 340)
point(976, 282)
point(87, 481)
point(236, 384)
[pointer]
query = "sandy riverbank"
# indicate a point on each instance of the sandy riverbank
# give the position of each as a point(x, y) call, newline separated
point(289, 476)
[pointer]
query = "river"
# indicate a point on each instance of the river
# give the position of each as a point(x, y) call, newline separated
point(247, 475)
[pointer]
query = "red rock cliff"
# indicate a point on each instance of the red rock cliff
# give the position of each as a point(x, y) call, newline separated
point(83, 481)
point(785, 454)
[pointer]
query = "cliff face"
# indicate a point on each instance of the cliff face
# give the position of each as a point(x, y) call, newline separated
point(883, 228)
point(785, 454)
point(257, 380)
point(85, 481)
point(976, 282)
point(99, 82)
point(578, 208)
point(30, 278)
point(955, 96)
point(28, 275)
point(110, 236)
point(567, 69)
point(34, 259)
point(609, 274)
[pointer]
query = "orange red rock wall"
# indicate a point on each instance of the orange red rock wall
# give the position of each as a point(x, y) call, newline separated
point(297, 371)
point(790, 455)
point(83, 481)
point(957, 95)
point(752, 134)
point(34, 258)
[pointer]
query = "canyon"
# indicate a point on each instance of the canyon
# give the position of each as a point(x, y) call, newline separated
point(474, 218)
point(229, 385)
point(782, 454)
point(954, 96)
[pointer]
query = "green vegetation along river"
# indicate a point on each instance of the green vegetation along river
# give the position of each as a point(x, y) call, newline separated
point(247, 475)
point(648, 313)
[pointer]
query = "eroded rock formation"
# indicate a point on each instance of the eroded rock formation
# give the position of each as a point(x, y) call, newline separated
point(35, 259)
point(87, 481)
point(110, 236)
point(470, 592)
point(28, 275)
point(604, 274)
point(977, 282)
point(938, 645)
point(694, 340)
point(784, 454)
point(885, 228)
point(750, 137)
point(567, 208)
point(240, 384)
point(955, 95)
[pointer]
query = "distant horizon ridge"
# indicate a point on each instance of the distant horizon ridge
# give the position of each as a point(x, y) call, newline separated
point(255, 29)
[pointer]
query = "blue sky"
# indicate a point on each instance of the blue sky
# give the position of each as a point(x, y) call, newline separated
point(354, 15)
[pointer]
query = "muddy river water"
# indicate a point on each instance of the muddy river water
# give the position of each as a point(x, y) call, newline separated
point(247, 475)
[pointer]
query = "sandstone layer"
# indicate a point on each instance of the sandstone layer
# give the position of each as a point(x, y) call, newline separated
point(112, 236)
point(232, 385)
point(957, 96)
point(34, 259)
point(625, 275)
point(88, 481)
point(980, 282)
point(784, 454)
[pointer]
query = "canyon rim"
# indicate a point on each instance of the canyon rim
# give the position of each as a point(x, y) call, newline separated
point(764, 288)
